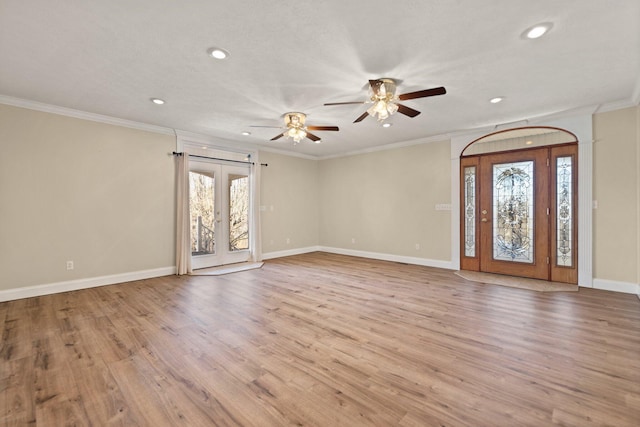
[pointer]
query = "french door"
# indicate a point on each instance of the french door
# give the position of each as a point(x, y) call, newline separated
point(219, 212)
point(518, 213)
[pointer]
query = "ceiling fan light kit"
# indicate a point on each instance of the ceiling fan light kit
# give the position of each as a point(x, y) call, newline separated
point(382, 94)
point(297, 130)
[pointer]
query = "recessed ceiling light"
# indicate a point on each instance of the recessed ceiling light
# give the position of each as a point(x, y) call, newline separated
point(157, 101)
point(246, 133)
point(496, 99)
point(217, 53)
point(386, 125)
point(537, 31)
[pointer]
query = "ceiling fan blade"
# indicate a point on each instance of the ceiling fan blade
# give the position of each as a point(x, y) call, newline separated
point(361, 118)
point(277, 137)
point(375, 86)
point(323, 128)
point(345, 103)
point(407, 111)
point(312, 136)
point(423, 93)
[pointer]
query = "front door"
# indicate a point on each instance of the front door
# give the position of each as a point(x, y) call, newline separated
point(518, 213)
point(514, 222)
point(219, 211)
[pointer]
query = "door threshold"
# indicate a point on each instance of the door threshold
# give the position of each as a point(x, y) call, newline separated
point(517, 282)
point(226, 269)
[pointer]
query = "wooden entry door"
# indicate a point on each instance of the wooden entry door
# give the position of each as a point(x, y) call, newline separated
point(518, 213)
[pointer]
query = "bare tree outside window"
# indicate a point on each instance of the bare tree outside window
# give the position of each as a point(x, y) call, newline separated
point(202, 210)
point(238, 212)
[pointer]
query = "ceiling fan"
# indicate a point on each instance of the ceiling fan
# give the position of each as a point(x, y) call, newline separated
point(297, 130)
point(382, 94)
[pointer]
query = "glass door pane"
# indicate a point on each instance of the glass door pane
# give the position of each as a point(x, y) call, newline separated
point(202, 212)
point(470, 211)
point(238, 212)
point(564, 210)
point(513, 212)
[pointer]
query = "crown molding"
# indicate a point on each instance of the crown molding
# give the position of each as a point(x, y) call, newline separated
point(214, 142)
point(84, 115)
point(393, 146)
point(633, 101)
point(288, 153)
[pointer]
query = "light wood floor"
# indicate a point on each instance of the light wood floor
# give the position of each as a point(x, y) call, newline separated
point(321, 340)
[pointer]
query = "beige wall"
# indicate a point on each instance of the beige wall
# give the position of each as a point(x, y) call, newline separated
point(102, 196)
point(289, 195)
point(76, 190)
point(616, 188)
point(386, 201)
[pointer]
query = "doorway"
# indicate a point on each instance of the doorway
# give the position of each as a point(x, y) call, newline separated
point(219, 211)
point(519, 210)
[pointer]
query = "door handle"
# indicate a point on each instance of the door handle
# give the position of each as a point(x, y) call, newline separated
point(484, 220)
point(484, 211)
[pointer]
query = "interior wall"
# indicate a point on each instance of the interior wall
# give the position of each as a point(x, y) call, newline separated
point(616, 191)
point(103, 196)
point(75, 190)
point(289, 205)
point(385, 202)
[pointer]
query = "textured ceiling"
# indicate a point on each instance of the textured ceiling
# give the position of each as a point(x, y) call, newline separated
point(111, 57)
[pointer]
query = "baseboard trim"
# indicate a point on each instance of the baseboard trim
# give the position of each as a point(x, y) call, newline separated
point(363, 254)
point(290, 252)
point(390, 257)
point(92, 282)
point(615, 286)
point(74, 285)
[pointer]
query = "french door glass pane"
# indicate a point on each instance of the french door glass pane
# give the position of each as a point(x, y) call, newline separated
point(513, 212)
point(238, 212)
point(202, 211)
point(470, 211)
point(564, 209)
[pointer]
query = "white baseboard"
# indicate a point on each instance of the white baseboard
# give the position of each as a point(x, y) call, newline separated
point(74, 285)
point(615, 286)
point(92, 282)
point(363, 254)
point(290, 252)
point(390, 257)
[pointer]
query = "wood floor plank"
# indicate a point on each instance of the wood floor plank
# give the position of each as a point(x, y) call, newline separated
point(321, 340)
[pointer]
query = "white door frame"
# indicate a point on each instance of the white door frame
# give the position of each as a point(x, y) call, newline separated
point(222, 254)
point(209, 147)
point(581, 126)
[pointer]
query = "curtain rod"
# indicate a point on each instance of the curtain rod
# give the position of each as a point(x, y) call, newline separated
point(217, 158)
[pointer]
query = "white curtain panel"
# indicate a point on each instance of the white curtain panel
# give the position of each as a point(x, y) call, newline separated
point(256, 241)
point(183, 226)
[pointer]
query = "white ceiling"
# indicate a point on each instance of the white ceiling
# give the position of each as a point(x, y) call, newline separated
point(111, 57)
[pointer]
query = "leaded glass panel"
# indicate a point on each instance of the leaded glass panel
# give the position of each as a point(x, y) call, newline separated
point(564, 209)
point(470, 211)
point(513, 212)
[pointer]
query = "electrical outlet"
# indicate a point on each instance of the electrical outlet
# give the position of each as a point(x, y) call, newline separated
point(288, 240)
point(69, 265)
point(353, 240)
point(417, 246)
